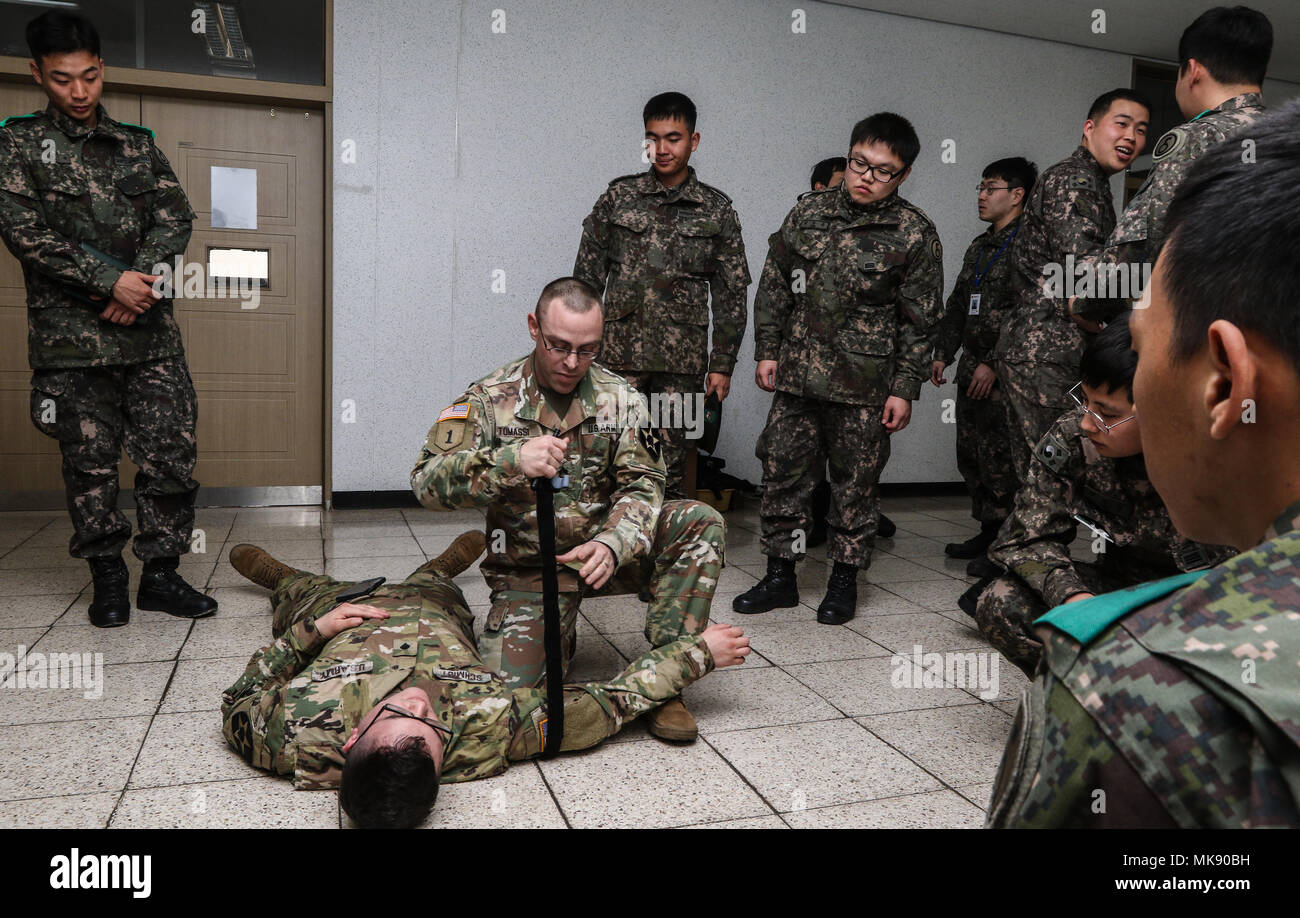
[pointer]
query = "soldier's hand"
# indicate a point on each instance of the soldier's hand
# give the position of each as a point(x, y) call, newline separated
point(599, 562)
point(727, 644)
point(118, 314)
point(981, 383)
point(765, 375)
point(541, 457)
point(936, 373)
point(1086, 324)
point(341, 618)
point(898, 412)
point(719, 383)
point(1078, 597)
point(135, 290)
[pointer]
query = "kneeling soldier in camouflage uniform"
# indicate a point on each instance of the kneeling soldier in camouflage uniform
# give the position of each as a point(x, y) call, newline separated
point(387, 697)
point(1177, 703)
point(82, 196)
point(1089, 467)
point(555, 413)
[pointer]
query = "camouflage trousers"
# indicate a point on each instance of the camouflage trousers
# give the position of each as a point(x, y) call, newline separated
point(1008, 607)
point(802, 437)
point(1036, 396)
point(675, 441)
point(151, 410)
point(984, 453)
point(681, 573)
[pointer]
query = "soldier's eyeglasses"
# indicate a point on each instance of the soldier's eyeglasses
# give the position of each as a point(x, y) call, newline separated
point(862, 167)
point(989, 189)
point(402, 712)
point(1096, 418)
point(564, 352)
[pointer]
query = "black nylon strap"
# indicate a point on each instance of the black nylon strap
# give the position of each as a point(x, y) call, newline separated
point(552, 635)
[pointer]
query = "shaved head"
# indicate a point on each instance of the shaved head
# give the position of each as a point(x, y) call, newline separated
point(576, 295)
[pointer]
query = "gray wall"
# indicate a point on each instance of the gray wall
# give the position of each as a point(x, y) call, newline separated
point(479, 151)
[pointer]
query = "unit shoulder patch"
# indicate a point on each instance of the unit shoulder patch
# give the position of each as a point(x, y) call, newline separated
point(450, 430)
point(1173, 141)
point(1052, 452)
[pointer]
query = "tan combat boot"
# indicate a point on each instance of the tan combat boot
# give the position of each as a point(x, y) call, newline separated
point(259, 567)
point(671, 721)
point(460, 554)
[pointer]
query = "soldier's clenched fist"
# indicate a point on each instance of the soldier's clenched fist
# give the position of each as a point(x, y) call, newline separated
point(541, 457)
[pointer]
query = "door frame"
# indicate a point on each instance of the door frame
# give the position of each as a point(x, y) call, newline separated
point(233, 89)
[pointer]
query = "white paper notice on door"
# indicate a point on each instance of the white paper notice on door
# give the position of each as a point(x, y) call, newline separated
point(234, 198)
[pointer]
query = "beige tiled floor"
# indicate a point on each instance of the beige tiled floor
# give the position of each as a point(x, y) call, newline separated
point(810, 732)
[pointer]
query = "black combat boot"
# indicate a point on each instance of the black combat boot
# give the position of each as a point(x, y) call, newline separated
point(976, 545)
point(111, 606)
point(777, 590)
point(164, 590)
point(982, 567)
point(886, 528)
point(841, 599)
point(970, 599)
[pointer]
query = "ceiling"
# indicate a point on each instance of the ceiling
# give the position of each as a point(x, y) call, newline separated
point(1140, 28)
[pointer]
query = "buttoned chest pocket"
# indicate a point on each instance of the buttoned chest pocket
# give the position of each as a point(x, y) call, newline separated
point(135, 190)
point(135, 183)
point(876, 276)
point(627, 237)
point(698, 241)
point(809, 242)
point(61, 194)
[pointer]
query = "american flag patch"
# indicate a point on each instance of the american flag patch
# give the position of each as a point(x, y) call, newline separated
point(460, 412)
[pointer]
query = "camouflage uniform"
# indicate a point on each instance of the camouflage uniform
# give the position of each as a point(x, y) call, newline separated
point(614, 497)
point(664, 251)
point(1137, 237)
point(983, 431)
point(844, 303)
point(1068, 477)
point(1178, 700)
point(1069, 212)
point(301, 696)
point(97, 386)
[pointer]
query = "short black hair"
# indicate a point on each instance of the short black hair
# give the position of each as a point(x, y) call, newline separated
point(670, 105)
point(822, 172)
point(894, 131)
point(1232, 43)
point(1109, 362)
point(390, 786)
point(576, 294)
point(1016, 171)
point(59, 32)
point(1232, 233)
point(1101, 105)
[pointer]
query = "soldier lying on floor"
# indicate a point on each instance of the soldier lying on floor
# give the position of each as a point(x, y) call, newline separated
point(386, 698)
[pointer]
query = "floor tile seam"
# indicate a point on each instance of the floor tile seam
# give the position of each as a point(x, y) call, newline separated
point(831, 806)
point(975, 699)
point(568, 824)
point(152, 719)
point(750, 784)
point(901, 752)
point(795, 723)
